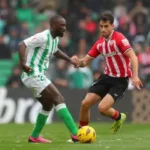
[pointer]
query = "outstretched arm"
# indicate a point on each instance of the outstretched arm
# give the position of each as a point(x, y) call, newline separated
point(84, 61)
point(62, 55)
point(92, 54)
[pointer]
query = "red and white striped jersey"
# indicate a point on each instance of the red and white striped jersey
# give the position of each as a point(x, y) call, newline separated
point(113, 50)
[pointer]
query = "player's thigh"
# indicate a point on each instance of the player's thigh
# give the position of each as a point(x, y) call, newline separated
point(51, 93)
point(90, 99)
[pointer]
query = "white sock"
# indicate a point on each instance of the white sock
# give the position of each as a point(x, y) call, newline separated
point(60, 106)
point(44, 112)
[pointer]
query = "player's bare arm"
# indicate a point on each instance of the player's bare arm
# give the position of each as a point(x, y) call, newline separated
point(134, 64)
point(22, 57)
point(84, 61)
point(62, 55)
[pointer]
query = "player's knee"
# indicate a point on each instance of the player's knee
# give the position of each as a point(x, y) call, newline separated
point(102, 108)
point(47, 107)
point(85, 105)
point(58, 99)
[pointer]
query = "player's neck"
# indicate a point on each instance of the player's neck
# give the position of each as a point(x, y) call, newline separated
point(53, 34)
point(109, 36)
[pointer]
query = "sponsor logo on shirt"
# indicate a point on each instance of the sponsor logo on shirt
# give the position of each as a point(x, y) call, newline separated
point(110, 54)
point(125, 42)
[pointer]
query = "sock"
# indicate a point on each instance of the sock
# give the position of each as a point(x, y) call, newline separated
point(83, 123)
point(40, 122)
point(116, 116)
point(65, 115)
point(119, 117)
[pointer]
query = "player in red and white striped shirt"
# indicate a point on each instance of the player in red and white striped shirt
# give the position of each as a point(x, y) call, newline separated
point(113, 83)
point(113, 49)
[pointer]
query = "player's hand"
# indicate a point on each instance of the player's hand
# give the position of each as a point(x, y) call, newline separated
point(75, 61)
point(26, 68)
point(137, 82)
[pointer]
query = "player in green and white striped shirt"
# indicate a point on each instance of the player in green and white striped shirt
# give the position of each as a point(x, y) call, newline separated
point(34, 54)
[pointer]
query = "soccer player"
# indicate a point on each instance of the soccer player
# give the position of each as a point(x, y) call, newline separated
point(34, 53)
point(112, 84)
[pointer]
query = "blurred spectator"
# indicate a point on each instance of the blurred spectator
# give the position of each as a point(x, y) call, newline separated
point(24, 31)
point(120, 10)
point(137, 48)
point(4, 49)
point(98, 64)
point(127, 27)
point(65, 44)
point(139, 14)
point(87, 28)
point(95, 5)
point(14, 81)
point(80, 78)
point(5, 9)
point(148, 38)
point(48, 4)
point(10, 22)
point(144, 60)
point(25, 13)
point(14, 39)
point(61, 74)
point(2, 24)
point(64, 4)
point(45, 24)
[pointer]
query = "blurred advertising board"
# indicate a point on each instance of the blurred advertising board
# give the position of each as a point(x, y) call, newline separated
point(19, 106)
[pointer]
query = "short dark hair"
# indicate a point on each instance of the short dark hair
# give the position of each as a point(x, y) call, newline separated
point(106, 16)
point(55, 18)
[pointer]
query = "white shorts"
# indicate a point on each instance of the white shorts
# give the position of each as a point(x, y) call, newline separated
point(37, 83)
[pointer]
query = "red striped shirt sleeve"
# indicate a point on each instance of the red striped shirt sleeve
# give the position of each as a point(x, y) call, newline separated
point(123, 43)
point(94, 51)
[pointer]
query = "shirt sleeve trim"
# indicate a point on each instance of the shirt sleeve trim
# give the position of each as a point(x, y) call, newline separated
point(91, 56)
point(26, 43)
point(127, 50)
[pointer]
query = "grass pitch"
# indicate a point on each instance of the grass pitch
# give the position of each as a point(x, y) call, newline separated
point(130, 137)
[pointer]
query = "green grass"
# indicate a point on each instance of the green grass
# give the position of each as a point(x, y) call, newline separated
point(131, 137)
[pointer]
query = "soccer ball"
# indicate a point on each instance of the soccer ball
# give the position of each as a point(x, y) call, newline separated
point(86, 134)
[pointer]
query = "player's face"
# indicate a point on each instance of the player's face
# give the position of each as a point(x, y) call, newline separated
point(60, 27)
point(106, 28)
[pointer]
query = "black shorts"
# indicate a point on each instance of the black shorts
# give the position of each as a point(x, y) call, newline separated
point(105, 84)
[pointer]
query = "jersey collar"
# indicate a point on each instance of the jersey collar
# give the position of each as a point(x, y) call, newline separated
point(109, 36)
point(51, 35)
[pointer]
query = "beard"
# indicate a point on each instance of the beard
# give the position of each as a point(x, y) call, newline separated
point(61, 34)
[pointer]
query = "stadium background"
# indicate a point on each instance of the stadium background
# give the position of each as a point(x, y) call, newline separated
point(20, 19)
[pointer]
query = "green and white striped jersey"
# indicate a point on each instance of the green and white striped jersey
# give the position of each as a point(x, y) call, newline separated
point(40, 48)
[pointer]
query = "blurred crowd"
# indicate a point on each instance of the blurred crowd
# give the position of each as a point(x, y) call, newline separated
point(20, 19)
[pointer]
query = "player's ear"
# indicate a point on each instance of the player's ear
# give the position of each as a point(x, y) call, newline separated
point(52, 25)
